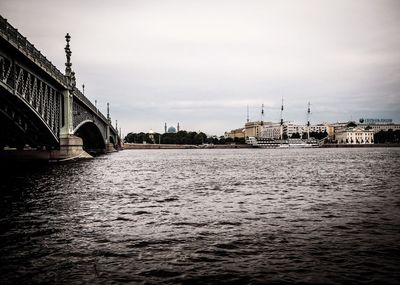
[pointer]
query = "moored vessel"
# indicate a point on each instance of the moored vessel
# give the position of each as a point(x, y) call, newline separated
point(289, 143)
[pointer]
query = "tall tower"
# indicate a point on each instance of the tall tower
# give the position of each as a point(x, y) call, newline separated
point(177, 127)
point(165, 128)
point(248, 119)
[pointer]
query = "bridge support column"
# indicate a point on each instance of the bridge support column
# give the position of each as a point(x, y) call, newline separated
point(109, 145)
point(110, 148)
point(70, 146)
point(68, 127)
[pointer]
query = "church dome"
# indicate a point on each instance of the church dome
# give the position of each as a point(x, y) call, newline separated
point(171, 130)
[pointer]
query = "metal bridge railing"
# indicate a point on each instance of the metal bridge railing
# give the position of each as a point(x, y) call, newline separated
point(78, 94)
point(12, 35)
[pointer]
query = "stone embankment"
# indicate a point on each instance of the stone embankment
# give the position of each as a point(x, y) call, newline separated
point(328, 145)
point(181, 146)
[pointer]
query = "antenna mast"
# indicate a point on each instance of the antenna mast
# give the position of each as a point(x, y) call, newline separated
point(262, 114)
point(282, 120)
point(308, 121)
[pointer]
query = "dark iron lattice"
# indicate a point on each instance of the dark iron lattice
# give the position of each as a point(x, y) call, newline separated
point(44, 99)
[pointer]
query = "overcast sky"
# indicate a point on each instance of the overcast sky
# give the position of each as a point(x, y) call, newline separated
point(200, 63)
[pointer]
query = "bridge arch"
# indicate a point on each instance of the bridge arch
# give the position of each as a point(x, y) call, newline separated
point(22, 125)
point(93, 141)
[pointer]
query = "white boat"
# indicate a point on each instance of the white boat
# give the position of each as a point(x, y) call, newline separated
point(272, 143)
point(300, 143)
point(260, 142)
point(267, 143)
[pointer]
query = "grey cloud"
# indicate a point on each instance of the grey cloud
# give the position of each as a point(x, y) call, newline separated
point(202, 62)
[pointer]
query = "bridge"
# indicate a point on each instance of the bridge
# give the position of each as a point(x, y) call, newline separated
point(41, 109)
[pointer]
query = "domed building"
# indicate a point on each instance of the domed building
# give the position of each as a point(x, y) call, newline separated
point(171, 130)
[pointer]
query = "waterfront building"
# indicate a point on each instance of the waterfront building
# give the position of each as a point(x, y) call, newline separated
point(318, 128)
point(378, 125)
point(332, 127)
point(253, 129)
point(271, 131)
point(236, 133)
point(331, 131)
point(374, 125)
point(354, 135)
point(290, 128)
point(171, 129)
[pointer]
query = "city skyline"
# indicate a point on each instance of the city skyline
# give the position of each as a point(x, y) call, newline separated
point(201, 64)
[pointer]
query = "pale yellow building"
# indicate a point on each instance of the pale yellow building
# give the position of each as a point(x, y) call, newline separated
point(236, 133)
point(331, 131)
point(332, 127)
point(254, 129)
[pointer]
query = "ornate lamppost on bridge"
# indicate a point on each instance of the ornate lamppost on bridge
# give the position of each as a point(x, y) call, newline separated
point(109, 145)
point(67, 128)
point(108, 113)
point(70, 145)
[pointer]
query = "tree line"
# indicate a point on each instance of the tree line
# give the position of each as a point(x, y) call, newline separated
point(181, 137)
point(388, 136)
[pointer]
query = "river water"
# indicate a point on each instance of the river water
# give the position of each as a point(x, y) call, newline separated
point(235, 216)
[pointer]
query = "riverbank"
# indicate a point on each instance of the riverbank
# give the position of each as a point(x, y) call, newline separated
point(182, 146)
point(230, 146)
point(359, 145)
